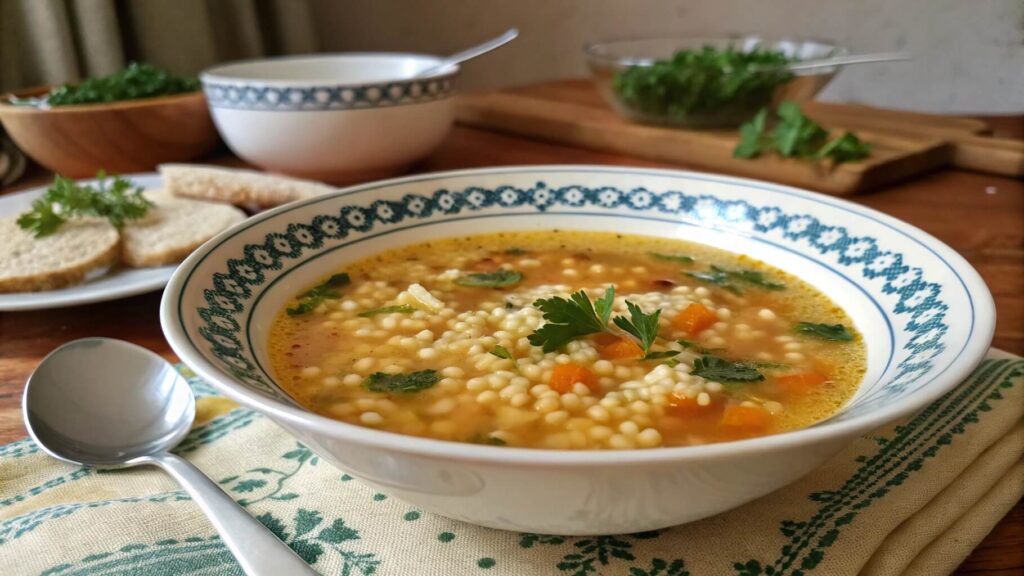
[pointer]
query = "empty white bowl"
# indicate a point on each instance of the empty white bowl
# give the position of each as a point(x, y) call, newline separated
point(926, 316)
point(335, 118)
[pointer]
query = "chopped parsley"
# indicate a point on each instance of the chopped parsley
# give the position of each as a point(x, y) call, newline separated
point(833, 332)
point(315, 296)
point(721, 370)
point(516, 251)
point(115, 200)
point(487, 439)
point(496, 279)
point(643, 327)
point(660, 355)
point(733, 280)
point(503, 353)
point(137, 80)
point(678, 258)
point(401, 383)
point(696, 347)
point(570, 319)
point(396, 309)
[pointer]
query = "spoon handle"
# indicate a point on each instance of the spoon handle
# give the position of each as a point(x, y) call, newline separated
point(259, 552)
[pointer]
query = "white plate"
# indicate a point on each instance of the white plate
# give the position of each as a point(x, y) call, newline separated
point(118, 283)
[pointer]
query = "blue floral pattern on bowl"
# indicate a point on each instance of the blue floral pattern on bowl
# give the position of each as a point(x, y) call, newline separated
point(250, 96)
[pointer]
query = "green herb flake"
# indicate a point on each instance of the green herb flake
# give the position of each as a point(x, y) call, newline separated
point(567, 320)
point(401, 383)
point(497, 279)
point(678, 258)
point(487, 440)
point(832, 332)
point(721, 370)
point(731, 279)
point(796, 136)
point(516, 251)
point(660, 354)
point(753, 140)
point(115, 199)
point(642, 327)
point(846, 148)
point(697, 347)
point(501, 352)
point(315, 296)
point(397, 309)
point(134, 82)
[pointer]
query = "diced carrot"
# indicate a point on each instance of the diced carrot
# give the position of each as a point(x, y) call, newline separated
point(694, 318)
point(685, 407)
point(565, 375)
point(801, 383)
point(620, 348)
point(740, 418)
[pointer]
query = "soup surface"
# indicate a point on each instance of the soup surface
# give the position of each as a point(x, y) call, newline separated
point(508, 339)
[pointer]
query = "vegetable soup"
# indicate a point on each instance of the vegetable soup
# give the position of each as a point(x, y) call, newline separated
point(567, 340)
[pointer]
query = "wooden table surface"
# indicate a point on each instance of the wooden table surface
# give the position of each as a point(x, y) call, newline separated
point(980, 215)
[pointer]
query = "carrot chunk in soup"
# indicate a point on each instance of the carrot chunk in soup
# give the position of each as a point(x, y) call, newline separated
point(694, 319)
point(565, 375)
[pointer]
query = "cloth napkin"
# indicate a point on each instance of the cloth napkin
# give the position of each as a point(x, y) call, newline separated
point(913, 498)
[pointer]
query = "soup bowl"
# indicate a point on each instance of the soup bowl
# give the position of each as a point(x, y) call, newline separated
point(926, 316)
point(338, 118)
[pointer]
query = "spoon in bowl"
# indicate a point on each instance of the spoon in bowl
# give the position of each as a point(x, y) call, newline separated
point(470, 53)
point(111, 404)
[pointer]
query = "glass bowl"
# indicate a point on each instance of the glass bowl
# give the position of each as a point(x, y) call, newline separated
point(654, 104)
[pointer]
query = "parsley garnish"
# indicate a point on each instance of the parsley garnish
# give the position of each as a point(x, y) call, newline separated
point(399, 309)
point(696, 347)
point(731, 279)
point(643, 327)
point(721, 370)
point(679, 258)
point(796, 136)
point(315, 296)
point(660, 355)
point(401, 383)
point(571, 319)
point(497, 279)
point(116, 200)
point(833, 332)
point(502, 352)
point(137, 80)
point(487, 439)
point(516, 251)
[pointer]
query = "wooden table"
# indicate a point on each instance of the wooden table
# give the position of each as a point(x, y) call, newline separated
point(981, 216)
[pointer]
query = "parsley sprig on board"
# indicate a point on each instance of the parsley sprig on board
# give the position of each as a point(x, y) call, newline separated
point(113, 199)
point(316, 295)
point(796, 136)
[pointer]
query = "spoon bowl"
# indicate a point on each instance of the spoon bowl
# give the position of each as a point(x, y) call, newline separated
point(69, 410)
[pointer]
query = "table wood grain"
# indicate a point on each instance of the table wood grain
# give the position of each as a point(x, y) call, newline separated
point(980, 215)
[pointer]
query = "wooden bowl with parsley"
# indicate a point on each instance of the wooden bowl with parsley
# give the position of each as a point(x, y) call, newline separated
point(705, 82)
point(129, 121)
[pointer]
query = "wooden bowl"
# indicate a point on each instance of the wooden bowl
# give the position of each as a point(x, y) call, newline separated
point(119, 137)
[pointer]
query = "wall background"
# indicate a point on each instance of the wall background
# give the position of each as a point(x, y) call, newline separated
point(968, 54)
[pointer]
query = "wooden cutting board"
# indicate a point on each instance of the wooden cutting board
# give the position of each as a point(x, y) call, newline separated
point(905, 144)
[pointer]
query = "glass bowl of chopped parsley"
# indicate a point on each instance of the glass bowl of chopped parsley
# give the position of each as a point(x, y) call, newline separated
point(705, 82)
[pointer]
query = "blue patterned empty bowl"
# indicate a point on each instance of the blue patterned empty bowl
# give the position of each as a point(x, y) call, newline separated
point(336, 118)
point(926, 316)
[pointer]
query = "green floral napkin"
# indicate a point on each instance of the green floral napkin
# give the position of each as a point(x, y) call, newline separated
point(914, 498)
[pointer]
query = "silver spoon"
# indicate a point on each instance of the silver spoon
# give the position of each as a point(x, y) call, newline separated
point(110, 404)
point(470, 53)
point(849, 60)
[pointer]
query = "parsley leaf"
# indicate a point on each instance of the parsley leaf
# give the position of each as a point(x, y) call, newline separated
point(846, 148)
point(797, 135)
point(643, 327)
point(571, 319)
point(487, 439)
point(721, 370)
point(753, 140)
point(833, 332)
point(660, 355)
point(694, 346)
point(729, 279)
point(516, 251)
point(502, 352)
point(681, 259)
point(115, 200)
point(398, 308)
point(316, 295)
point(496, 279)
point(401, 383)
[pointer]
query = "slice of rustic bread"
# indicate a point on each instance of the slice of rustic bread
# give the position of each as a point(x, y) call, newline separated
point(173, 228)
point(77, 249)
point(237, 186)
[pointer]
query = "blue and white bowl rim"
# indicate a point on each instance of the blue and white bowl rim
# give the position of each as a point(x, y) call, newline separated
point(972, 347)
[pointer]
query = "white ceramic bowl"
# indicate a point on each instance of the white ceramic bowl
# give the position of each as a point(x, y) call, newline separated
point(927, 317)
point(336, 118)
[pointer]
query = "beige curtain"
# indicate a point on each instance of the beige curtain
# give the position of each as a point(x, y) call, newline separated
point(57, 41)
